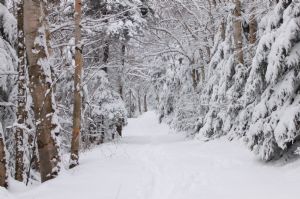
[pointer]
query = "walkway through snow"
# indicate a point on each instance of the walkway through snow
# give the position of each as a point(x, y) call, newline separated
point(151, 163)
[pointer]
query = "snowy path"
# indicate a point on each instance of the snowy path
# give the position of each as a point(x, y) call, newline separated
point(151, 163)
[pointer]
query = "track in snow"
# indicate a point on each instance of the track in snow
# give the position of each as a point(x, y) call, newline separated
point(151, 162)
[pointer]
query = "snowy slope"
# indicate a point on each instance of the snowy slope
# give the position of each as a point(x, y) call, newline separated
point(151, 163)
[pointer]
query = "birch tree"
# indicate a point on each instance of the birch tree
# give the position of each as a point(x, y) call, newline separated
point(39, 71)
point(238, 37)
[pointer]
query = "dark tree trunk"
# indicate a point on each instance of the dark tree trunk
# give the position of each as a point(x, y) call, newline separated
point(106, 54)
point(21, 107)
point(145, 103)
point(139, 102)
point(223, 30)
point(120, 123)
point(3, 169)
point(130, 104)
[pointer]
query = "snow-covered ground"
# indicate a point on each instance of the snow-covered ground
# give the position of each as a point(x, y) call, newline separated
point(152, 162)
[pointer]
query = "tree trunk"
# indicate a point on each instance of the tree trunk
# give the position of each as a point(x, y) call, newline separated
point(40, 88)
point(77, 86)
point(252, 25)
point(119, 128)
point(194, 74)
point(47, 7)
point(105, 61)
point(34, 154)
point(21, 107)
point(3, 168)
point(130, 102)
point(106, 54)
point(202, 67)
point(120, 123)
point(145, 103)
point(238, 37)
point(223, 29)
point(121, 71)
point(139, 102)
point(207, 49)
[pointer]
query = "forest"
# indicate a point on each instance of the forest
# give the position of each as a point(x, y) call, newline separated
point(149, 94)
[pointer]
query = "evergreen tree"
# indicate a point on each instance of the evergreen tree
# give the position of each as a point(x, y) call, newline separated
point(272, 93)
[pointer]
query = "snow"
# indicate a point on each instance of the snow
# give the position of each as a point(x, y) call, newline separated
point(9, 24)
point(153, 162)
